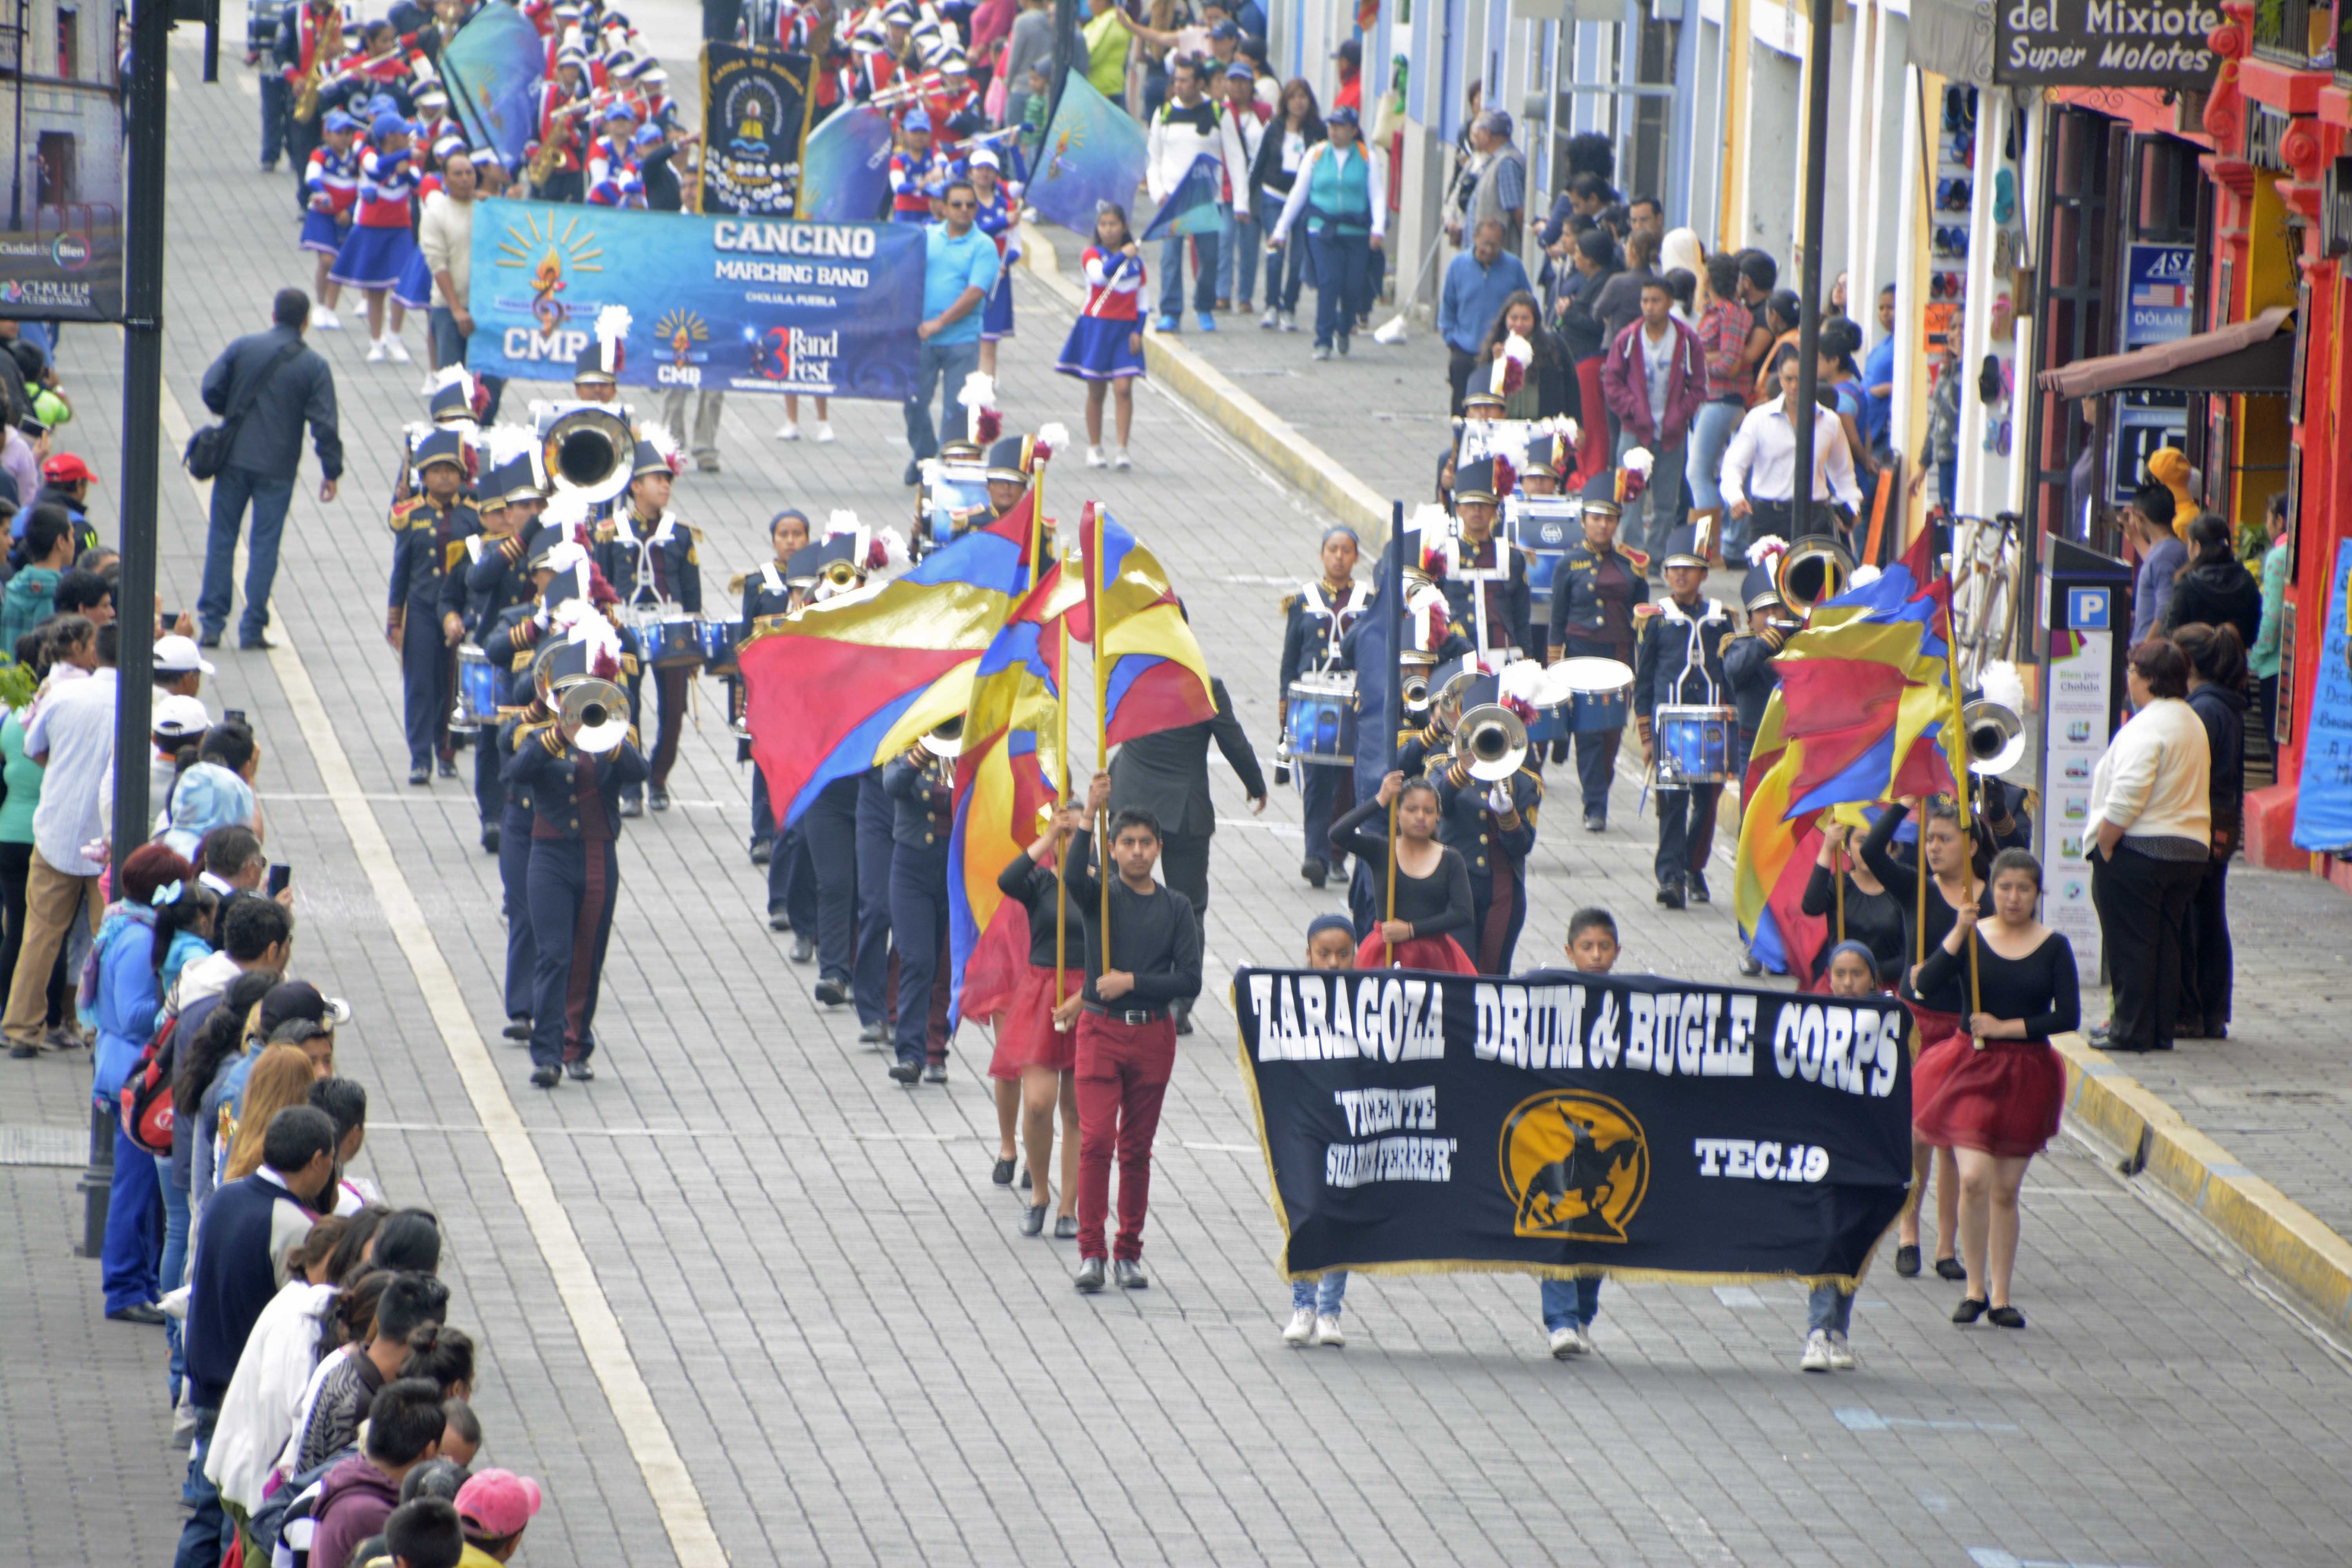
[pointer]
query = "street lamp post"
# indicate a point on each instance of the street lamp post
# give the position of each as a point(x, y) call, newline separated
point(1809, 317)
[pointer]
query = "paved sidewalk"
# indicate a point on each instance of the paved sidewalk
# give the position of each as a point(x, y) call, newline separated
point(857, 1357)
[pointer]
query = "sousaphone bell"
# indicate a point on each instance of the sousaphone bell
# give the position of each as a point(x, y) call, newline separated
point(945, 739)
point(1490, 743)
point(1995, 735)
point(1811, 569)
point(594, 715)
point(590, 453)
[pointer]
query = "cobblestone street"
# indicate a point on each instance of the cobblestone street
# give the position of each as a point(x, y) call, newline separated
point(743, 1289)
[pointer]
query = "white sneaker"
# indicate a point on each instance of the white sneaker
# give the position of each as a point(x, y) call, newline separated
point(396, 349)
point(1841, 1353)
point(1291, 320)
point(1584, 1339)
point(1301, 1331)
point(1566, 1342)
point(1094, 458)
point(1817, 1351)
point(183, 1423)
point(788, 431)
point(425, 388)
point(1327, 1332)
point(823, 431)
point(1119, 460)
point(1271, 320)
point(376, 351)
point(322, 320)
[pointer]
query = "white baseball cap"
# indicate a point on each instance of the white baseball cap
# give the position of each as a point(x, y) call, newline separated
point(180, 656)
point(181, 717)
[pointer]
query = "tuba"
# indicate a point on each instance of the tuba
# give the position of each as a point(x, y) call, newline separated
point(593, 715)
point(1811, 569)
point(1490, 743)
point(589, 452)
point(1995, 735)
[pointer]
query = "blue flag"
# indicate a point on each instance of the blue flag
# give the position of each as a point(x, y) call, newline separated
point(846, 167)
point(493, 65)
point(1197, 205)
point(1093, 154)
point(1380, 699)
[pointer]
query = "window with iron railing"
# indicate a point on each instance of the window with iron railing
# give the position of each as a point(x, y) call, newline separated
point(2296, 32)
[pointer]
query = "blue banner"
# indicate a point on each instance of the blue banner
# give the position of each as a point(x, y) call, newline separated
point(2323, 802)
point(846, 166)
point(1197, 205)
point(1093, 153)
point(493, 65)
point(731, 304)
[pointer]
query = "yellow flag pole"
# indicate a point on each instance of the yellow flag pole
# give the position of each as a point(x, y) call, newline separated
point(1956, 746)
point(1061, 846)
point(1102, 720)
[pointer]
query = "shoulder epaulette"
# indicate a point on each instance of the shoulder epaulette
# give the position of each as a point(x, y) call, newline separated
point(1645, 608)
point(403, 511)
point(735, 584)
point(1640, 558)
point(1289, 603)
point(606, 532)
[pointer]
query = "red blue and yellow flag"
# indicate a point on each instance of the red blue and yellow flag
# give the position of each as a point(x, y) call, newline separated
point(850, 682)
point(1152, 674)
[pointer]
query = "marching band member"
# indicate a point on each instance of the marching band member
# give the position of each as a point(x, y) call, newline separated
point(1681, 662)
point(563, 100)
point(380, 243)
point(876, 850)
point(1493, 827)
point(1319, 618)
point(1748, 670)
point(921, 783)
point(999, 218)
point(794, 901)
point(1485, 577)
point(647, 554)
point(575, 865)
point(1596, 593)
point(310, 41)
point(428, 597)
point(918, 174)
point(330, 188)
point(498, 579)
point(767, 591)
point(613, 177)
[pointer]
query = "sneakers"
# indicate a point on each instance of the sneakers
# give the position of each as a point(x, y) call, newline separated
point(788, 431)
point(394, 350)
point(1817, 1352)
point(1291, 320)
point(376, 351)
point(425, 387)
point(823, 431)
point(1118, 460)
point(323, 320)
point(1566, 1342)
point(1094, 458)
point(1327, 1332)
point(1343, 345)
point(1322, 350)
point(1841, 1353)
point(1208, 322)
point(1301, 1331)
point(936, 1072)
point(1595, 822)
point(1164, 324)
point(1270, 321)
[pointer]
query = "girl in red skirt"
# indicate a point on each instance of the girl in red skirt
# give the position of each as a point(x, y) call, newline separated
point(1935, 1011)
point(1992, 1092)
point(1033, 1046)
point(1433, 885)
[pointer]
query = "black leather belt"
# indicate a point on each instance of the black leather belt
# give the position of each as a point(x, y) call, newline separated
point(1133, 1017)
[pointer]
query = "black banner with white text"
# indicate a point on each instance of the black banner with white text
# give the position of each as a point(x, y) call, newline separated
point(1567, 1124)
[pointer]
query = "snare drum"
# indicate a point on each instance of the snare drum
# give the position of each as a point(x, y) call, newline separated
point(1321, 719)
point(478, 690)
point(717, 638)
point(670, 641)
point(1600, 693)
point(1694, 744)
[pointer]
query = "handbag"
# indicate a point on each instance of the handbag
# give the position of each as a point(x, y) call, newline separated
point(207, 450)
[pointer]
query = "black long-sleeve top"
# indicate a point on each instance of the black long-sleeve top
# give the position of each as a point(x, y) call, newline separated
point(2040, 988)
point(1903, 882)
point(1434, 905)
point(1034, 886)
point(1874, 919)
point(1153, 937)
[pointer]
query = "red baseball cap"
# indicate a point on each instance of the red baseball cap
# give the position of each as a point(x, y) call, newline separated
point(64, 469)
point(497, 1503)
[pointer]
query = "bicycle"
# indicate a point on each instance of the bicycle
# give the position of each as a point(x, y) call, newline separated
point(1985, 560)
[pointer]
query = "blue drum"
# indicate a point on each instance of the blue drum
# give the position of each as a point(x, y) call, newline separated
point(1320, 719)
point(1543, 527)
point(951, 499)
point(1694, 744)
point(478, 690)
point(670, 641)
point(1600, 693)
point(717, 639)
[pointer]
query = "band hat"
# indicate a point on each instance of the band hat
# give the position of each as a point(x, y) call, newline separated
point(1009, 459)
point(1683, 548)
point(807, 567)
point(1481, 399)
point(589, 366)
point(1757, 589)
point(1602, 506)
point(438, 447)
point(1478, 482)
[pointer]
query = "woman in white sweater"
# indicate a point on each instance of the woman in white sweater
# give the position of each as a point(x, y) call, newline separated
point(2152, 817)
point(277, 1364)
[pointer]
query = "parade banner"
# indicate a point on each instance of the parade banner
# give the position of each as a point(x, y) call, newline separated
point(755, 119)
point(846, 166)
point(61, 247)
point(718, 303)
point(1093, 153)
point(493, 65)
point(1568, 1124)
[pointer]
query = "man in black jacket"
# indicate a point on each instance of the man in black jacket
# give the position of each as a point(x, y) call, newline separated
point(264, 457)
point(1167, 774)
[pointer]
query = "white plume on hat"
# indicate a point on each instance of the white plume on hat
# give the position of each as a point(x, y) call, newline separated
point(1640, 460)
point(2001, 683)
point(565, 508)
point(1051, 438)
point(566, 555)
point(505, 443)
point(1862, 574)
point(1771, 547)
point(1510, 372)
point(1521, 679)
point(612, 327)
point(840, 521)
point(1430, 520)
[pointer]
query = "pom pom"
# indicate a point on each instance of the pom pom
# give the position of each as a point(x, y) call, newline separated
point(1771, 547)
point(1507, 478)
point(987, 424)
point(1432, 561)
point(978, 391)
point(1640, 462)
point(1051, 438)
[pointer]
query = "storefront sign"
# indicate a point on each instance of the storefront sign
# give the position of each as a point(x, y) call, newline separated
point(2160, 307)
point(2103, 43)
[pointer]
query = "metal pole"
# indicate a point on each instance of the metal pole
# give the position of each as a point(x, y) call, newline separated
point(16, 160)
point(142, 405)
point(1809, 314)
point(1065, 53)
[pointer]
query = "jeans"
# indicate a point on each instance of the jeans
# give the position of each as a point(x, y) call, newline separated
point(1324, 1295)
point(1461, 364)
point(1711, 437)
point(1122, 1078)
point(449, 348)
point(1287, 268)
point(1571, 1303)
point(175, 1266)
point(1237, 257)
point(944, 366)
point(206, 1534)
point(1658, 509)
point(1827, 1311)
point(134, 1226)
point(270, 496)
point(1171, 272)
point(1343, 262)
point(273, 117)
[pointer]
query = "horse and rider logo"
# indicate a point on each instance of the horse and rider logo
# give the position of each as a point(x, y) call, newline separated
point(1575, 1164)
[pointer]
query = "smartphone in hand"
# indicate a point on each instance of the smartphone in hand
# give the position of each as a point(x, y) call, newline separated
point(281, 874)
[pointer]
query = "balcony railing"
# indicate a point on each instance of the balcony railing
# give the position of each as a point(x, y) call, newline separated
point(2300, 33)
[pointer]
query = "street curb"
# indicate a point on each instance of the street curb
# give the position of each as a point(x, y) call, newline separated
point(1290, 455)
point(2285, 1238)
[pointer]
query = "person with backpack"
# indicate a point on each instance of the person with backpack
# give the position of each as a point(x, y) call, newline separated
point(404, 1429)
point(123, 992)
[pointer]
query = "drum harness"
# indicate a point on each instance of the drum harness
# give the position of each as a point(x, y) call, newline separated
point(1691, 659)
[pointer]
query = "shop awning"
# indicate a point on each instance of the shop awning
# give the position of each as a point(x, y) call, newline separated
point(1953, 37)
point(2254, 358)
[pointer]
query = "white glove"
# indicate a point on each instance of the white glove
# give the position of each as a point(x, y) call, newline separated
point(1499, 797)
